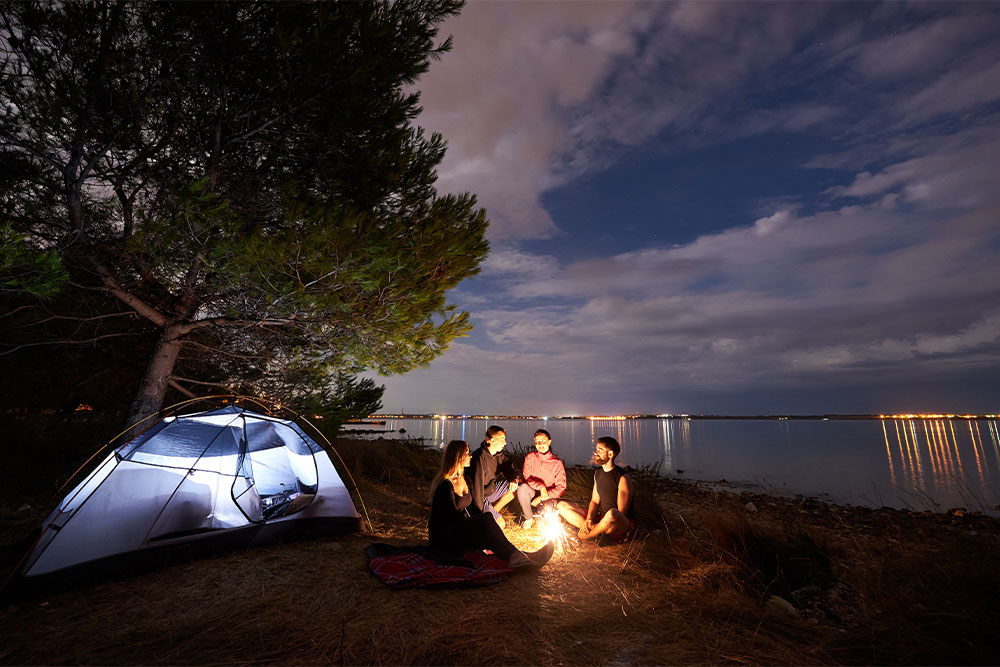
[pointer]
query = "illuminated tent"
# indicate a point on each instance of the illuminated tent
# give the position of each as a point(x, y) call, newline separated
point(227, 476)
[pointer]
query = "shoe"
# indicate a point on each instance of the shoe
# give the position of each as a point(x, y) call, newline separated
point(519, 560)
point(542, 556)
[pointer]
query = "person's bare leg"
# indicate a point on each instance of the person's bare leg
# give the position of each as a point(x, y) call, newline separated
point(571, 514)
point(504, 499)
point(612, 523)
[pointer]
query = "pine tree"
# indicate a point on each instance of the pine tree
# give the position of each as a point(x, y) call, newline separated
point(246, 178)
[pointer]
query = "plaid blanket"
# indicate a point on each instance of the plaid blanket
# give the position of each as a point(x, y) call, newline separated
point(422, 567)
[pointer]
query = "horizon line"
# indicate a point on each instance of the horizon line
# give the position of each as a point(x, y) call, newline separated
point(682, 416)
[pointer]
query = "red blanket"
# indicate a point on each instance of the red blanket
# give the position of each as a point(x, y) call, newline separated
point(421, 567)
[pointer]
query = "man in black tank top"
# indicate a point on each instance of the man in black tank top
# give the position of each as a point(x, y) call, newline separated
point(610, 502)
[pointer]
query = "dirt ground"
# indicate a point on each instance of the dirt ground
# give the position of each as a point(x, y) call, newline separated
point(712, 578)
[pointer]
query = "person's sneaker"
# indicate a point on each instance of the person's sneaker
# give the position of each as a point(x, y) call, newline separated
point(542, 556)
point(528, 523)
point(519, 560)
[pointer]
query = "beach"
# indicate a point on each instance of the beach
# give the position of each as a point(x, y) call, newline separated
point(713, 577)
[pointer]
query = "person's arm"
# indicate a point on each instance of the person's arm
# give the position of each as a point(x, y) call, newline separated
point(593, 510)
point(559, 486)
point(507, 472)
point(444, 499)
point(624, 493)
point(474, 477)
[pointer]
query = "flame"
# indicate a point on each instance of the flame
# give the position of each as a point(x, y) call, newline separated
point(552, 529)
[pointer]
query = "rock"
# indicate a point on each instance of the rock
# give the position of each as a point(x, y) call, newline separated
point(680, 472)
point(402, 430)
point(780, 605)
point(750, 507)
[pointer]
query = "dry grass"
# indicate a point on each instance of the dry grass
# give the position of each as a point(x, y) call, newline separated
point(870, 587)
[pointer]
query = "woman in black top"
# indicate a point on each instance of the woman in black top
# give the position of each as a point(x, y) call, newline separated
point(456, 526)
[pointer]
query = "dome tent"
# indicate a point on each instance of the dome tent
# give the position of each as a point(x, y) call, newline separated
point(226, 477)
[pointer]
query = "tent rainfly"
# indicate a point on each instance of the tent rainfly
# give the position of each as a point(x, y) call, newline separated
point(225, 476)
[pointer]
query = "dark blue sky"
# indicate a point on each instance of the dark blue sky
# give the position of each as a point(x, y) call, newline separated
point(723, 208)
point(672, 198)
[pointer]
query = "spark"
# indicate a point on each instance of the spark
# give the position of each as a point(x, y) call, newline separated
point(551, 528)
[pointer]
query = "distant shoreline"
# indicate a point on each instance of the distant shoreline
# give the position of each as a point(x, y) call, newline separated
point(691, 417)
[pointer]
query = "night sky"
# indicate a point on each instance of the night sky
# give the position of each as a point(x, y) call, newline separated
point(722, 208)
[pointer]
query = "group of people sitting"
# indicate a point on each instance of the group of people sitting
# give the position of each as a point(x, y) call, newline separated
point(472, 488)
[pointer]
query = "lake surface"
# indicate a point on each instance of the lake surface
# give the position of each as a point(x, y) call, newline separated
point(920, 464)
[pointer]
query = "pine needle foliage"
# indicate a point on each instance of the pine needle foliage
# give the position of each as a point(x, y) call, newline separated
point(245, 177)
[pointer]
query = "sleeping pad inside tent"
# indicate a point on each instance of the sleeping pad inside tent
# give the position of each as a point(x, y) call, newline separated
point(227, 477)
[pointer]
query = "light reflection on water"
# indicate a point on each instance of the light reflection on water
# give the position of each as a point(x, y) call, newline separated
point(907, 463)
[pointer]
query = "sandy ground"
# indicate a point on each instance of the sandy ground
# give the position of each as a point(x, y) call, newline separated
point(698, 586)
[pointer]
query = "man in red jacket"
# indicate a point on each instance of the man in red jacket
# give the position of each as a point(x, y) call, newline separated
point(544, 478)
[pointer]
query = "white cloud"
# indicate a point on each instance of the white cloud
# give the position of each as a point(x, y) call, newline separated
point(510, 261)
point(894, 275)
point(954, 92)
point(501, 98)
point(953, 171)
point(532, 97)
point(535, 94)
point(924, 47)
point(829, 295)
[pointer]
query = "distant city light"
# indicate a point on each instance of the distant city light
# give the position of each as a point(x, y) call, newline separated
point(936, 416)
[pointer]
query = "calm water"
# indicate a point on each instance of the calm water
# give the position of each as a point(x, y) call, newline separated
point(918, 464)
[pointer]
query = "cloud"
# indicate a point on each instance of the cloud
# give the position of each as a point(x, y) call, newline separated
point(533, 97)
point(513, 262)
point(954, 92)
point(956, 170)
point(502, 97)
point(921, 48)
point(888, 272)
point(836, 296)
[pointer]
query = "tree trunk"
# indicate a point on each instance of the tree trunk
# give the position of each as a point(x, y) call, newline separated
point(153, 386)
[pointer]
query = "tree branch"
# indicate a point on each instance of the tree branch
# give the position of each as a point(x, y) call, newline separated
point(69, 342)
point(73, 318)
point(225, 321)
point(190, 381)
point(181, 389)
point(129, 299)
point(18, 309)
point(225, 353)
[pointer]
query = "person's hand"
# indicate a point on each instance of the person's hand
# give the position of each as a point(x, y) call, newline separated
point(588, 525)
point(545, 494)
point(536, 501)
